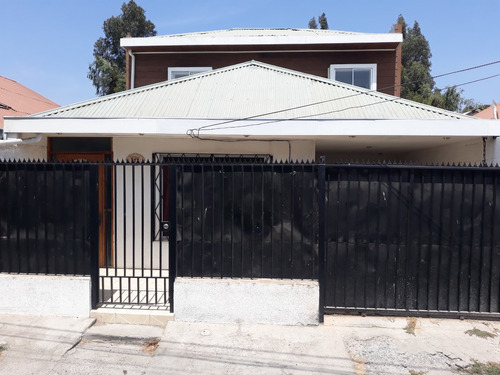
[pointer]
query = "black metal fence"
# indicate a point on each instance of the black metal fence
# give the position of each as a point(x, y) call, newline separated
point(247, 221)
point(379, 238)
point(45, 218)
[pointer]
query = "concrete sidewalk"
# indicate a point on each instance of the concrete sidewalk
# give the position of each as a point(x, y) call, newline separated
point(343, 345)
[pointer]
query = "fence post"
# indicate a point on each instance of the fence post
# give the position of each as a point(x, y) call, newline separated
point(172, 240)
point(94, 233)
point(321, 237)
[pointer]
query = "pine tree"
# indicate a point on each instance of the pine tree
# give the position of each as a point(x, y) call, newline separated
point(323, 23)
point(312, 23)
point(416, 79)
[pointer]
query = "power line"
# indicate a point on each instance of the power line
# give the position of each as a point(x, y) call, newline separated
point(194, 133)
point(339, 110)
point(467, 69)
point(27, 96)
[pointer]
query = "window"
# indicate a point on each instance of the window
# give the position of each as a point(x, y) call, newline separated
point(362, 75)
point(179, 72)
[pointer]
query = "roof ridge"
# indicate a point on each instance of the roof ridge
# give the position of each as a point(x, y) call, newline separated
point(208, 32)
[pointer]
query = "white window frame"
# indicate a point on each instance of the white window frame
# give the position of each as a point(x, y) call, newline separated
point(190, 69)
point(371, 67)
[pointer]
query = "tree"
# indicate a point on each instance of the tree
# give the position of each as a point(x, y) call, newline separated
point(401, 21)
point(107, 71)
point(416, 79)
point(312, 23)
point(323, 23)
point(471, 105)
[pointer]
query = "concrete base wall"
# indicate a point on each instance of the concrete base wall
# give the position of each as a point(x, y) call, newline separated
point(265, 301)
point(45, 295)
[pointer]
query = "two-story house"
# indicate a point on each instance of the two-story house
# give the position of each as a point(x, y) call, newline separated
point(269, 94)
point(320, 92)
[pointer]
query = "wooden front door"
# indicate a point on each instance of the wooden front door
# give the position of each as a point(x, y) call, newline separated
point(105, 201)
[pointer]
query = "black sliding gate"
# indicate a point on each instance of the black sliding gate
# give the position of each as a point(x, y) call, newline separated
point(412, 240)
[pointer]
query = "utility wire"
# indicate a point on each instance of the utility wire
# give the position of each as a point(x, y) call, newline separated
point(9, 108)
point(26, 96)
point(334, 111)
point(194, 133)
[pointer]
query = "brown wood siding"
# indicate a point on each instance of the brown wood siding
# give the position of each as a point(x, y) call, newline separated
point(153, 68)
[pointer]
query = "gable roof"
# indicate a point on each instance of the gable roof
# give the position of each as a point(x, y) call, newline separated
point(261, 37)
point(252, 89)
point(18, 100)
point(490, 112)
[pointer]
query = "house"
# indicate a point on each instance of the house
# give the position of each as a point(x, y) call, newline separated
point(369, 60)
point(265, 110)
point(490, 112)
point(18, 100)
point(249, 113)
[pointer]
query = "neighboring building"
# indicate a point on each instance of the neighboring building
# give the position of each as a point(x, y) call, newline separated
point(18, 100)
point(369, 60)
point(491, 112)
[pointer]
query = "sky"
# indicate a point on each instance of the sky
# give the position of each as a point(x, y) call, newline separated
point(47, 45)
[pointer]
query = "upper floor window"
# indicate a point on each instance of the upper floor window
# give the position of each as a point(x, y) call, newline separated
point(179, 72)
point(362, 75)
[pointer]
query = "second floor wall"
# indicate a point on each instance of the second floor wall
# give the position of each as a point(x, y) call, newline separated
point(376, 62)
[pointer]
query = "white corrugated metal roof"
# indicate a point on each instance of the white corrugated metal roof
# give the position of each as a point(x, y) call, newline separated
point(251, 89)
point(262, 37)
point(245, 32)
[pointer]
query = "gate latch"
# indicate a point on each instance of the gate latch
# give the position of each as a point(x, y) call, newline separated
point(165, 227)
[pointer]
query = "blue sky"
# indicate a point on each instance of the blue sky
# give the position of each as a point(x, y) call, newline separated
point(47, 45)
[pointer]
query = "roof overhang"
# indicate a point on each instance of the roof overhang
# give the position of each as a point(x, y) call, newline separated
point(251, 129)
point(267, 40)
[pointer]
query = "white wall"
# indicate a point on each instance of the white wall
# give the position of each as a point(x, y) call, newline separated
point(466, 151)
point(265, 301)
point(493, 154)
point(45, 295)
point(32, 151)
point(146, 146)
point(470, 151)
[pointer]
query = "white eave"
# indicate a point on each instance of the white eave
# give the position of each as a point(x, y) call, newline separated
point(262, 37)
point(252, 129)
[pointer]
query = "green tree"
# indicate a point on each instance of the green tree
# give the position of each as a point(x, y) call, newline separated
point(416, 79)
point(107, 71)
point(312, 23)
point(471, 105)
point(323, 22)
point(401, 21)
